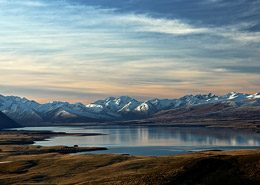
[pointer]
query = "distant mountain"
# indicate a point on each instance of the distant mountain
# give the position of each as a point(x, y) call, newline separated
point(6, 122)
point(26, 111)
point(247, 111)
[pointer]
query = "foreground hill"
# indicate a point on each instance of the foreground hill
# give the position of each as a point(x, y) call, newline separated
point(125, 108)
point(6, 122)
point(207, 168)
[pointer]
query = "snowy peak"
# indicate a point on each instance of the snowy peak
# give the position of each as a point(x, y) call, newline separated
point(253, 96)
point(117, 101)
point(115, 104)
point(235, 96)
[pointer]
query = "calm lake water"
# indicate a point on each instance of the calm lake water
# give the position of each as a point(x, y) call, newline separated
point(154, 141)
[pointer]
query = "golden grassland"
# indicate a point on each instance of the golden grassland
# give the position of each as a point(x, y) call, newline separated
point(19, 165)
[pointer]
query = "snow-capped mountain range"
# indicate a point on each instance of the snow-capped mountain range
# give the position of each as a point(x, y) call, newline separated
point(23, 110)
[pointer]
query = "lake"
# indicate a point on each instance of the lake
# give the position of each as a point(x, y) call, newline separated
point(153, 141)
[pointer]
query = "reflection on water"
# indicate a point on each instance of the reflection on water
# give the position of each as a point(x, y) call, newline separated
point(154, 140)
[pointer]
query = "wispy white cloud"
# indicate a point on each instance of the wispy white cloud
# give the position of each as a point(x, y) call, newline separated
point(238, 32)
point(241, 36)
point(144, 23)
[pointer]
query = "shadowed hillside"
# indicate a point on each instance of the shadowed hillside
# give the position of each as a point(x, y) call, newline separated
point(6, 122)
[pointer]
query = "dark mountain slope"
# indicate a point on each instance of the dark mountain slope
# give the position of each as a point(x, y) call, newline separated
point(218, 111)
point(6, 122)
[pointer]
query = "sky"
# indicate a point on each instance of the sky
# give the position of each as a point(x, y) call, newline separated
point(86, 50)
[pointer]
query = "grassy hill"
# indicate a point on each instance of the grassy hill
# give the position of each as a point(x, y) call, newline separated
point(207, 168)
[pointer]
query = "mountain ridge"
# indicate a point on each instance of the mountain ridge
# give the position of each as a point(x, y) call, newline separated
point(26, 111)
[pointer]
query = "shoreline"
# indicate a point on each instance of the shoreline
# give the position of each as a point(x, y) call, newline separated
point(22, 139)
